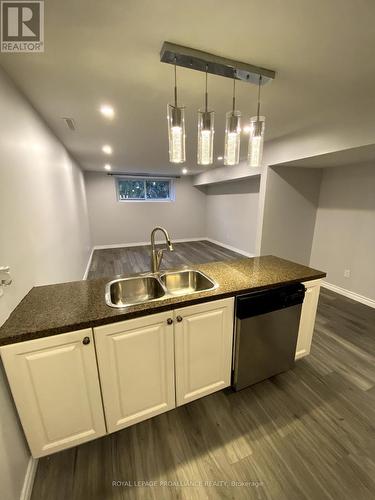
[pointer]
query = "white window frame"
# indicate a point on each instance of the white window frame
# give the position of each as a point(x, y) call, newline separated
point(146, 200)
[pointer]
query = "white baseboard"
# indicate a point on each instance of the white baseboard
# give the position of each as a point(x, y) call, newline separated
point(142, 243)
point(349, 294)
point(229, 247)
point(88, 264)
point(29, 479)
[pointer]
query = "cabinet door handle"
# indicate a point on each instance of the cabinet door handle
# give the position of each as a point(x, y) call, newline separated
point(170, 321)
point(179, 319)
point(86, 341)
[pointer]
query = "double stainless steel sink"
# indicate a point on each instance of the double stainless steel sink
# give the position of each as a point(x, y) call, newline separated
point(144, 288)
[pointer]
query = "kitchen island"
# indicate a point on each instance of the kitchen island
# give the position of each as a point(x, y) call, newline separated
point(53, 309)
point(79, 369)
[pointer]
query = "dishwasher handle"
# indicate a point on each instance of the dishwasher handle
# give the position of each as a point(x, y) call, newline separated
point(272, 299)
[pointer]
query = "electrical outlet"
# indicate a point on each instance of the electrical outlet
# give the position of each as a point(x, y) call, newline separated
point(346, 273)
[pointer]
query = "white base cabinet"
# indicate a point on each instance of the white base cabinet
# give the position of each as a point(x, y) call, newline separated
point(136, 366)
point(308, 314)
point(55, 385)
point(203, 349)
point(135, 369)
point(151, 364)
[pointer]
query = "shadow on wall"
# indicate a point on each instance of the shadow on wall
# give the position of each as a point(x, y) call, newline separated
point(291, 201)
point(349, 188)
point(232, 214)
point(236, 187)
point(344, 236)
point(298, 179)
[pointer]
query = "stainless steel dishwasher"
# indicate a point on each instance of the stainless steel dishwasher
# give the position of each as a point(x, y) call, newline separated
point(267, 324)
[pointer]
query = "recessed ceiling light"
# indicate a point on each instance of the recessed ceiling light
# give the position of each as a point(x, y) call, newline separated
point(107, 111)
point(184, 171)
point(246, 129)
point(107, 149)
point(107, 166)
point(219, 157)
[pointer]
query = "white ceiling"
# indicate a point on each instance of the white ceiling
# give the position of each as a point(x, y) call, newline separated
point(108, 52)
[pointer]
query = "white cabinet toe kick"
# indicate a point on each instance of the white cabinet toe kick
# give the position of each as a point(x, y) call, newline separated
point(74, 387)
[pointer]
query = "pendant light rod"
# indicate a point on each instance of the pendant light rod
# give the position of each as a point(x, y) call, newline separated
point(234, 95)
point(260, 83)
point(198, 60)
point(175, 84)
point(206, 93)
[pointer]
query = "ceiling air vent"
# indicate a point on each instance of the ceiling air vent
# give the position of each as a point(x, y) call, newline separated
point(70, 123)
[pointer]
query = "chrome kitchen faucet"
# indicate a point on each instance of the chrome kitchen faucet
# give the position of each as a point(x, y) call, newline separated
point(157, 255)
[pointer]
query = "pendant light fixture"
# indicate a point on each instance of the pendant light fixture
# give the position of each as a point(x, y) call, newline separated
point(256, 138)
point(198, 60)
point(176, 127)
point(206, 132)
point(232, 132)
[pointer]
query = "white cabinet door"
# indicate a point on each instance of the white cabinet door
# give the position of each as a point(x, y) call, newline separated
point(55, 385)
point(136, 366)
point(308, 314)
point(203, 349)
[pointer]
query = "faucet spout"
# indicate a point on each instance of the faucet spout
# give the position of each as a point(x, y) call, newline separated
point(170, 246)
point(157, 255)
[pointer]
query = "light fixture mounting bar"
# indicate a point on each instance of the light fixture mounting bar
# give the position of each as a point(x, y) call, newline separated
point(216, 65)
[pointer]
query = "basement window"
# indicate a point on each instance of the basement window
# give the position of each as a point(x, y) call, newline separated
point(150, 189)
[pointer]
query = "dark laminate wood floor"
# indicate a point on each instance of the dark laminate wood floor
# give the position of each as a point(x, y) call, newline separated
point(115, 261)
point(306, 434)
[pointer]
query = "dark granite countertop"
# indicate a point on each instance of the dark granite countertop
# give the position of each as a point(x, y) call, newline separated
point(53, 309)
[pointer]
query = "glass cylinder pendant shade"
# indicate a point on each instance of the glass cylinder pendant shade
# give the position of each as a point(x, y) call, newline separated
point(255, 151)
point(176, 134)
point(205, 154)
point(232, 138)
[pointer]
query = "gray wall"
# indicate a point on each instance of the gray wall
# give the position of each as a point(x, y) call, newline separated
point(232, 213)
point(114, 222)
point(290, 207)
point(44, 238)
point(223, 212)
point(344, 236)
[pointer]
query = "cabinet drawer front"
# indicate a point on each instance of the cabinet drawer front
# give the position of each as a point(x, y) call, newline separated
point(136, 364)
point(203, 349)
point(55, 385)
